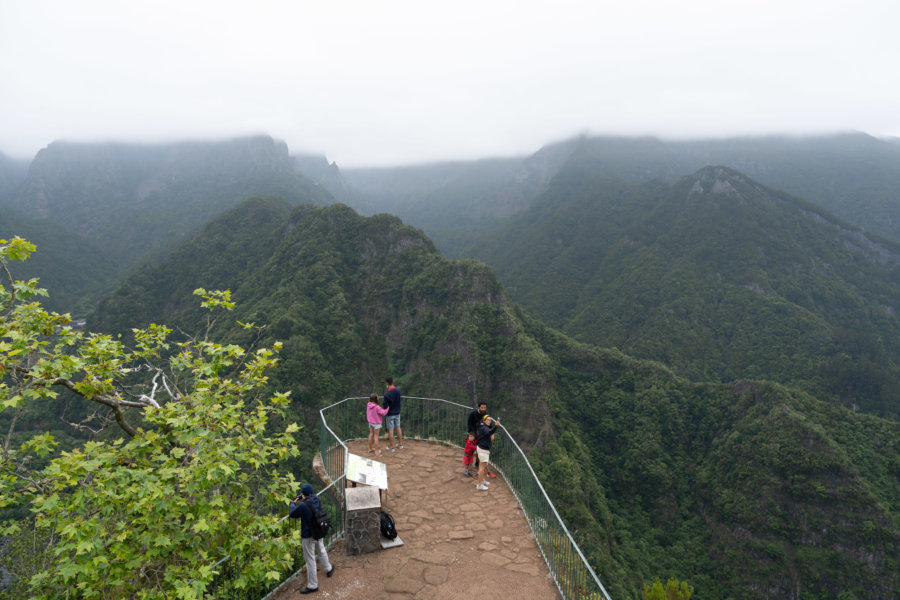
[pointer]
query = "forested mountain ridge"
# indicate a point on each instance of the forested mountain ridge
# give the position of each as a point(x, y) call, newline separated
point(136, 198)
point(136, 202)
point(853, 175)
point(753, 489)
point(717, 276)
point(744, 489)
point(380, 288)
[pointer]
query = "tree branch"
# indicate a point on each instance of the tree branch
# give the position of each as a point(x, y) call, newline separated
point(114, 402)
point(12, 289)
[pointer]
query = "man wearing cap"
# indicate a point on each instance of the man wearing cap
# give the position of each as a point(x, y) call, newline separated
point(302, 510)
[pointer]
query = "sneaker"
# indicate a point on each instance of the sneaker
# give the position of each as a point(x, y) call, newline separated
point(485, 482)
point(467, 474)
point(491, 474)
point(400, 447)
point(482, 488)
point(391, 449)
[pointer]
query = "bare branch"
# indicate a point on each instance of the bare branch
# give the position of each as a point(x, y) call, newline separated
point(12, 427)
point(12, 289)
point(82, 426)
point(113, 401)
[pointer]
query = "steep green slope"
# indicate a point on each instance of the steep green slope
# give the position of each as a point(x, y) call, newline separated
point(352, 299)
point(716, 276)
point(77, 270)
point(748, 490)
point(219, 258)
point(743, 489)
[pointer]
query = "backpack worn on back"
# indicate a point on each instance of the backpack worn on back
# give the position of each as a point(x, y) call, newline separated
point(387, 526)
point(318, 527)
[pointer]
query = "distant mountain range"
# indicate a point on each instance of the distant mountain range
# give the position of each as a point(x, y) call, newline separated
point(135, 203)
point(609, 240)
point(716, 276)
point(853, 175)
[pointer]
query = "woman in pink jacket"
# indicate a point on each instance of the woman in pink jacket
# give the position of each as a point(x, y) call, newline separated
point(375, 416)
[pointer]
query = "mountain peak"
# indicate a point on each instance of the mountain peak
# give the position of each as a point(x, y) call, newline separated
point(718, 180)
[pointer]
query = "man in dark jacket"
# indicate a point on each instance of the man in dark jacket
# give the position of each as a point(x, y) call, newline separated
point(392, 401)
point(303, 507)
point(485, 437)
point(472, 424)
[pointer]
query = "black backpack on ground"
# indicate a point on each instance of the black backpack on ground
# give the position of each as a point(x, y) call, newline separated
point(387, 526)
point(321, 522)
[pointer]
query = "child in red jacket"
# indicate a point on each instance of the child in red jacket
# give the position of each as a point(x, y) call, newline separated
point(469, 453)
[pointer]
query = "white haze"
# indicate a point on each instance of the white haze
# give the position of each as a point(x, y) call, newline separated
point(397, 82)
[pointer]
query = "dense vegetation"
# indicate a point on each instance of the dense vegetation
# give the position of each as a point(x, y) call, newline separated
point(746, 490)
point(742, 489)
point(77, 278)
point(715, 276)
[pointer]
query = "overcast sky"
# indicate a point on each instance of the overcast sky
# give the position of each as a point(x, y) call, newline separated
point(384, 82)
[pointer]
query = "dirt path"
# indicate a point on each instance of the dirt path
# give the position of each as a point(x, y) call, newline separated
point(458, 542)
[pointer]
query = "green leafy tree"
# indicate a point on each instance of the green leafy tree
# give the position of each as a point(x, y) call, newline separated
point(191, 477)
point(673, 590)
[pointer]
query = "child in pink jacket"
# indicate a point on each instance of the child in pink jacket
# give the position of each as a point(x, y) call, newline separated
point(375, 416)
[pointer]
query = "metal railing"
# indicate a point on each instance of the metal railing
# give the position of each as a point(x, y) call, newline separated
point(444, 422)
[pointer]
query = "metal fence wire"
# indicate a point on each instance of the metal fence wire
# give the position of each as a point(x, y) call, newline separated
point(437, 421)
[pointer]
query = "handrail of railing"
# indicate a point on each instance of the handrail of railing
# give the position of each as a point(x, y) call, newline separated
point(537, 481)
point(430, 419)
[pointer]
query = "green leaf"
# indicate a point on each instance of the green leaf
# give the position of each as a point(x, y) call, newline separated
point(200, 525)
point(84, 546)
